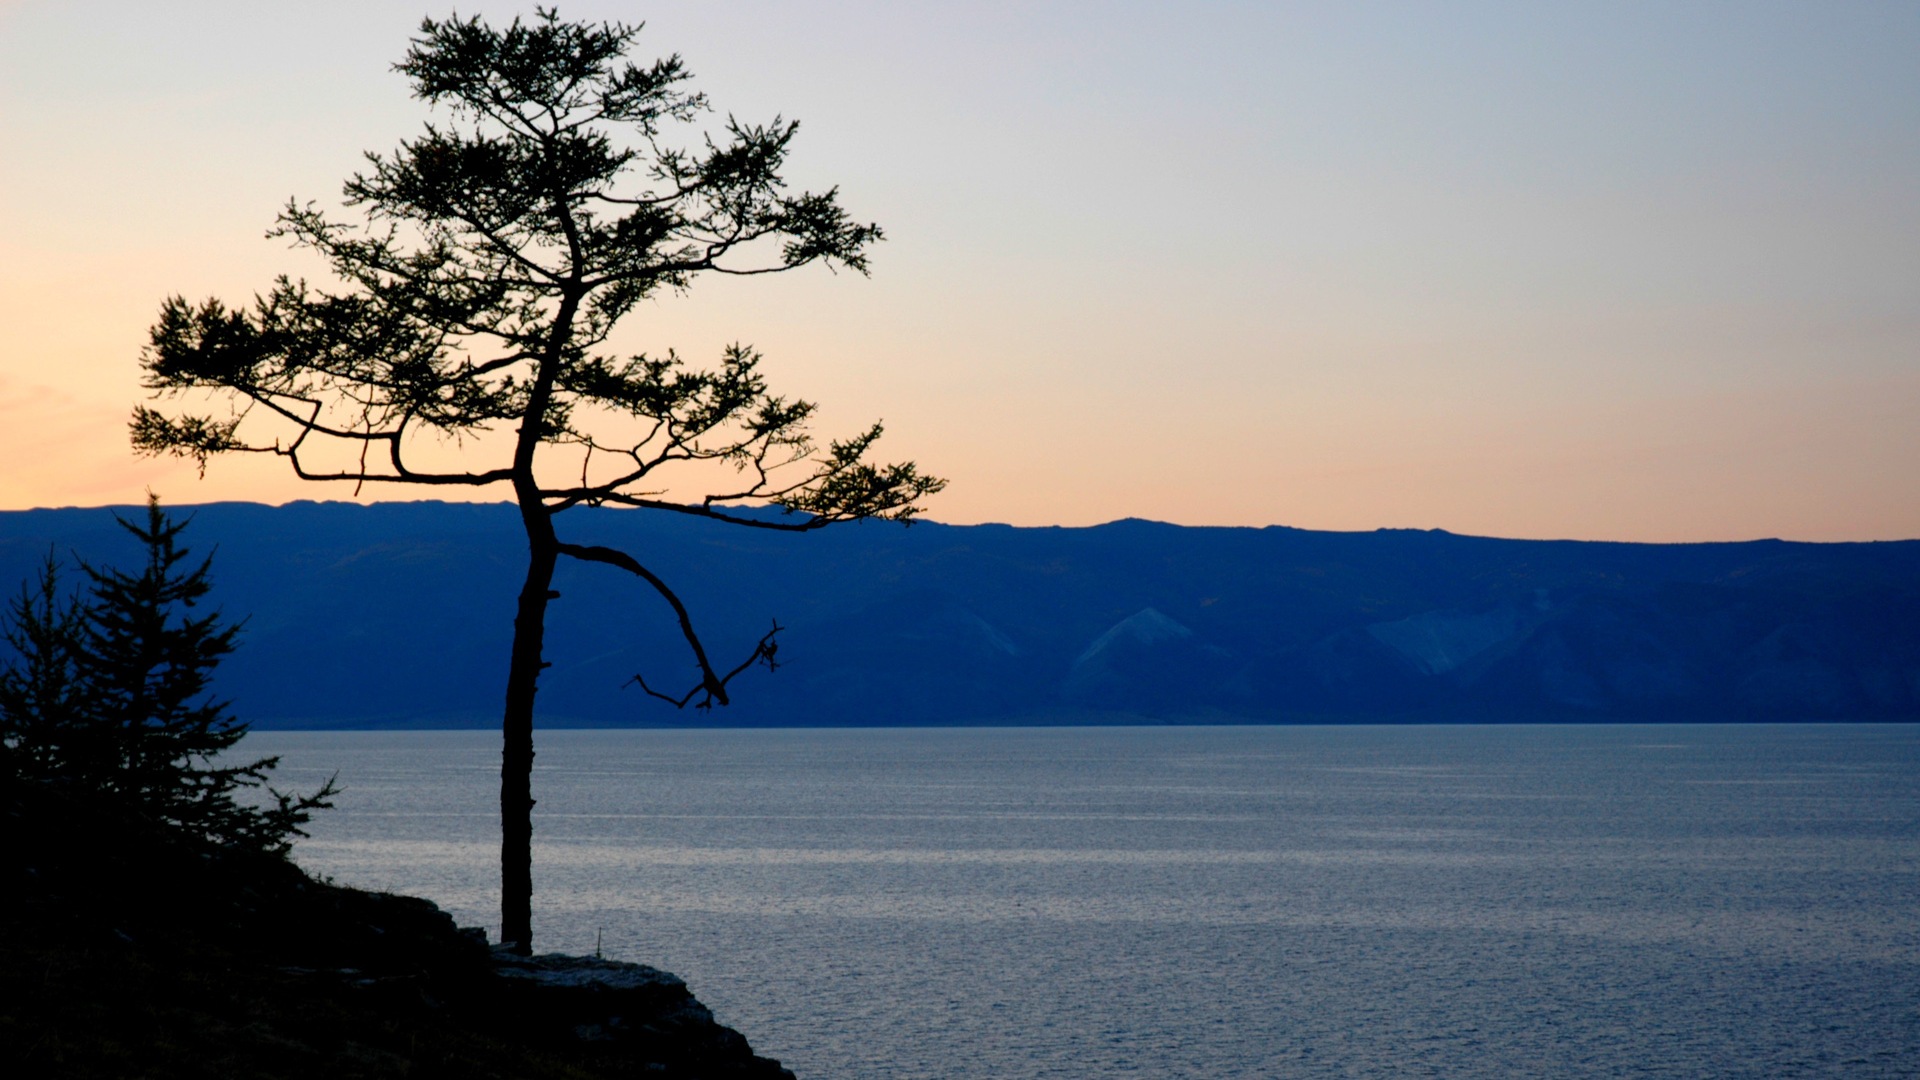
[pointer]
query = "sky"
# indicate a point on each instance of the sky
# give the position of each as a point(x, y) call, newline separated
point(1622, 271)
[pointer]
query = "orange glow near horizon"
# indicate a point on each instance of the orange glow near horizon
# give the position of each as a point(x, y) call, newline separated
point(1555, 274)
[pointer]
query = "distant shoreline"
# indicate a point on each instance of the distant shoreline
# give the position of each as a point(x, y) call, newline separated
point(1104, 724)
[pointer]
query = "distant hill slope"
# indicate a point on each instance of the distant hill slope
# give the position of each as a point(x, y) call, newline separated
point(398, 614)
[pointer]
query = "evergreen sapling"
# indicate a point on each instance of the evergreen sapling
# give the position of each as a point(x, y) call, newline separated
point(113, 693)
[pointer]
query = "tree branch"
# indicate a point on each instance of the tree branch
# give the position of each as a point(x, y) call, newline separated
point(712, 684)
point(694, 510)
point(763, 652)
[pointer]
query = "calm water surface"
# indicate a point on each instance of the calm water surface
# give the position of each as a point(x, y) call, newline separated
point(1204, 902)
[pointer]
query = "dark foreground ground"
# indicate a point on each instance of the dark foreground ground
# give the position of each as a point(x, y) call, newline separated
point(126, 952)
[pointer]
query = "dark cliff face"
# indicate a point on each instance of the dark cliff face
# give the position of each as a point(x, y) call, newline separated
point(131, 953)
point(944, 624)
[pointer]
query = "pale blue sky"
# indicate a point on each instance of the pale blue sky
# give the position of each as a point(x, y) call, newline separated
point(1634, 271)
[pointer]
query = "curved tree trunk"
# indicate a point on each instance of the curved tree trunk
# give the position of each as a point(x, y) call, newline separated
point(516, 755)
point(529, 637)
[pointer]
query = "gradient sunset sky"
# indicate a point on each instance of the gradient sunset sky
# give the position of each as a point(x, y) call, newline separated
point(1635, 271)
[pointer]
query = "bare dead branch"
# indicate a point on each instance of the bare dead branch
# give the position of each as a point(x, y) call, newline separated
point(712, 684)
point(763, 653)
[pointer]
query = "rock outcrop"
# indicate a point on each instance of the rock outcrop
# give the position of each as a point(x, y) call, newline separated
point(131, 953)
point(621, 1016)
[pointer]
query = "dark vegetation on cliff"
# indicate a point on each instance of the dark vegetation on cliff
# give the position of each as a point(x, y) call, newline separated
point(133, 949)
point(966, 624)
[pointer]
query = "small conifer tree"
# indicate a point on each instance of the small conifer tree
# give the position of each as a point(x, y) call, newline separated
point(41, 727)
point(112, 692)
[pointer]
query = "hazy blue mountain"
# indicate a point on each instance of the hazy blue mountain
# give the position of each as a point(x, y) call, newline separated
point(398, 614)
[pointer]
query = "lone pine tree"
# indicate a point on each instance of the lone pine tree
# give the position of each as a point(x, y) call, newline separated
point(494, 256)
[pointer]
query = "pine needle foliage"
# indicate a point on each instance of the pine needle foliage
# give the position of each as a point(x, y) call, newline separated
point(110, 692)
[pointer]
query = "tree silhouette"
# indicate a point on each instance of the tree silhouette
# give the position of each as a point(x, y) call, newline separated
point(43, 728)
point(110, 692)
point(495, 254)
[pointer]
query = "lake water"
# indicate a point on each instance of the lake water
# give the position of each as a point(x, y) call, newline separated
point(1204, 902)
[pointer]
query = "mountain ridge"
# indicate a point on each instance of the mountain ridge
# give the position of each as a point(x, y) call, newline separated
point(398, 614)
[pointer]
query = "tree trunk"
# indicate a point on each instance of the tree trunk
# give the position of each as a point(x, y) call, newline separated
point(516, 755)
point(529, 637)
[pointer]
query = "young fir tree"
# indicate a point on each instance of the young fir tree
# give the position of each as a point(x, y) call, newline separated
point(42, 733)
point(112, 693)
